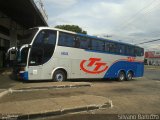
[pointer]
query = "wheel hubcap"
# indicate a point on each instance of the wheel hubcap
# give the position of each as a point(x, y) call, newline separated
point(59, 77)
point(129, 76)
point(121, 77)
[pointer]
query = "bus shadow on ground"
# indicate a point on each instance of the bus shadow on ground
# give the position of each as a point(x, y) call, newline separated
point(98, 80)
point(13, 78)
point(92, 80)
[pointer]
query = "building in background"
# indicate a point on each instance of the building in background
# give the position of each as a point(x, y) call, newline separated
point(15, 17)
point(152, 57)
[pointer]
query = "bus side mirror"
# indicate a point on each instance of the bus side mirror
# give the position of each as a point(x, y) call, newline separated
point(29, 46)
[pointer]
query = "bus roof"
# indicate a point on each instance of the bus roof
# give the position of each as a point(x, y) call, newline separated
point(85, 35)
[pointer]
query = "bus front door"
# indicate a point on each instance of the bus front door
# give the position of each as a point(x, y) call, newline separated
point(35, 72)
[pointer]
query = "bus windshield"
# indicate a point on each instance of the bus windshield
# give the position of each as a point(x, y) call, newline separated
point(43, 47)
point(26, 39)
point(22, 56)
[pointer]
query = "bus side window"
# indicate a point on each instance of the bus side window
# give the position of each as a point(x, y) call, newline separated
point(98, 45)
point(84, 43)
point(67, 40)
point(130, 50)
point(139, 51)
point(142, 51)
point(77, 42)
point(136, 51)
point(121, 49)
point(107, 46)
point(112, 47)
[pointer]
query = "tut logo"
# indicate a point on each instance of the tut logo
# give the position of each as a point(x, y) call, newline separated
point(95, 64)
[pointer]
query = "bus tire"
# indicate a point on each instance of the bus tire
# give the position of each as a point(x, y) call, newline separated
point(129, 76)
point(59, 76)
point(121, 76)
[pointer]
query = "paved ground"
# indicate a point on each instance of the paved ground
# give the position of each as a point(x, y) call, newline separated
point(152, 74)
point(7, 82)
point(140, 96)
point(29, 109)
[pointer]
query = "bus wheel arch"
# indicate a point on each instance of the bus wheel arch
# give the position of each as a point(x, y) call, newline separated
point(121, 75)
point(129, 75)
point(59, 75)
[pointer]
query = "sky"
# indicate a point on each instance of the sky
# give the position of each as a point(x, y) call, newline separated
point(131, 21)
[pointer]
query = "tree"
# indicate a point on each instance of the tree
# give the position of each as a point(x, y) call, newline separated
point(73, 28)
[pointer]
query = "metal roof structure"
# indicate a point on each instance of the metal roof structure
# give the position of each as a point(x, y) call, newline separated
point(24, 12)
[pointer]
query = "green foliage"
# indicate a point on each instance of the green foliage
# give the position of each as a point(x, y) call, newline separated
point(73, 28)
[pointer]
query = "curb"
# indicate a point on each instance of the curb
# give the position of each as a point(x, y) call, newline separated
point(10, 90)
point(6, 73)
point(152, 68)
point(60, 112)
point(53, 87)
point(4, 93)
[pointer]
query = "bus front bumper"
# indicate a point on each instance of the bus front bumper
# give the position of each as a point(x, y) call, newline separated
point(23, 75)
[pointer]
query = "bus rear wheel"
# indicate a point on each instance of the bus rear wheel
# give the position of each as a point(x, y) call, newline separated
point(129, 76)
point(59, 76)
point(121, 76)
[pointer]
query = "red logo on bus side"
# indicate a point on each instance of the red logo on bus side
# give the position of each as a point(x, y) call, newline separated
point(98, 67)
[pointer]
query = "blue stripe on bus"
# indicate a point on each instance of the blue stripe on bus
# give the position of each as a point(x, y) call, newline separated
point(24, 75)
point(136, 67)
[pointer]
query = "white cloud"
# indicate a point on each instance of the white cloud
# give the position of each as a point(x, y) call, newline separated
point(61, 3)
point(126, 20)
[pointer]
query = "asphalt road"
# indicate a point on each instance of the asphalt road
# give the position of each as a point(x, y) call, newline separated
point(152, 74)
point(6, 81)
point(139, 96)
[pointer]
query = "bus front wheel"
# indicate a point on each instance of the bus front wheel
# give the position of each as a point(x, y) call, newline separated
point(121, 76)
point(59, 76)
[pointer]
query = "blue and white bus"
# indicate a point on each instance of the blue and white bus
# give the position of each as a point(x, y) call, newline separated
point(54, 54)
